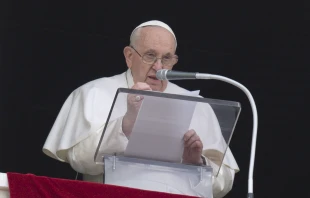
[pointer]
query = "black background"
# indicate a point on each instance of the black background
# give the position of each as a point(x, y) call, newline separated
point(49, 48)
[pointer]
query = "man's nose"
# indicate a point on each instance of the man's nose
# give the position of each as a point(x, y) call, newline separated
point(157, 64)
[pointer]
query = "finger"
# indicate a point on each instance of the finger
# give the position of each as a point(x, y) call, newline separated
point(141, 86)
point(138, 98)
point(135, 98)
point(189, 134)
point(191, 140)
point(196, 145)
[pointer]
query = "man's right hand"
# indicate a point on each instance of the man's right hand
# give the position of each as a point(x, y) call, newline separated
point(134, 101)
point(133, 105)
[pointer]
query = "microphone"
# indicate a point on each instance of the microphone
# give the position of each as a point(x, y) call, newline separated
point(165, 74)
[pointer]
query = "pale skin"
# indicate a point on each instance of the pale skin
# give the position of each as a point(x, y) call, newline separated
point(158, 41)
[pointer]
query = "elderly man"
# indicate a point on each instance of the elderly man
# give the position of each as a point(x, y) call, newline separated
point(79, 125)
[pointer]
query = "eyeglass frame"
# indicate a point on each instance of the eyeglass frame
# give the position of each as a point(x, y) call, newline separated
point(156, 58)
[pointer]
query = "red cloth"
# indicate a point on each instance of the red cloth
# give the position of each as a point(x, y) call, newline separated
point(29, 185)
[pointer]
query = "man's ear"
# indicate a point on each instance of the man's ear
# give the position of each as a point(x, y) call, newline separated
point(128, 56)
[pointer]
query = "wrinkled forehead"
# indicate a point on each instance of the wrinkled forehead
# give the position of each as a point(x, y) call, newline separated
point(156, 38)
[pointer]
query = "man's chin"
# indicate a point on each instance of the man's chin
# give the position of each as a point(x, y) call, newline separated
point(155, 88)
point(160, 88)
point(156, 85)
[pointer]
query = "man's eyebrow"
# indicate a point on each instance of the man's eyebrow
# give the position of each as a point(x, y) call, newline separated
point(168, 54)
point(150, 51)
point(154, 52)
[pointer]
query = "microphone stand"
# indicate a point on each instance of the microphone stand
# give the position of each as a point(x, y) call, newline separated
point(254, 111)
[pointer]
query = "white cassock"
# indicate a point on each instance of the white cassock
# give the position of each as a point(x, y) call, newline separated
point(76, 132)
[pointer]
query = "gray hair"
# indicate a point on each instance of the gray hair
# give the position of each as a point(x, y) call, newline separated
point(135, 36)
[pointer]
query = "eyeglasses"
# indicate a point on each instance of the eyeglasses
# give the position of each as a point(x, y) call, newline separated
point(150, 59)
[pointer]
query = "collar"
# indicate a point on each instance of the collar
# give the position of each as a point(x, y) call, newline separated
point(129, 78)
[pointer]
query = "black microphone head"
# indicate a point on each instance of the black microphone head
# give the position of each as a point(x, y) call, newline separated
point(161, 74)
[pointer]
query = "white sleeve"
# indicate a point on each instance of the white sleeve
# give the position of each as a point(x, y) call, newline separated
point(223, 182)
point(81, 156)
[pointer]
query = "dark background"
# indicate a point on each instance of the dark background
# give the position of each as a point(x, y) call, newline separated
point(49, 48)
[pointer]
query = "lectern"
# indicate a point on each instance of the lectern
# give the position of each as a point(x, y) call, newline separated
point(154, 155)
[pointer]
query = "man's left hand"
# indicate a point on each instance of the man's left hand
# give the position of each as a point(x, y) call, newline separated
point(192, 148)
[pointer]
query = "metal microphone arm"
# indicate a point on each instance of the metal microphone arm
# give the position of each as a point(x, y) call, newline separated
point(254, 111)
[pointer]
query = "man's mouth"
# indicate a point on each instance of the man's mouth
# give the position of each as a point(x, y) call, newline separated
point(153, 77)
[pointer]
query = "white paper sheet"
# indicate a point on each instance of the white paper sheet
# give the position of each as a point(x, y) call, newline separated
point(159, 128)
